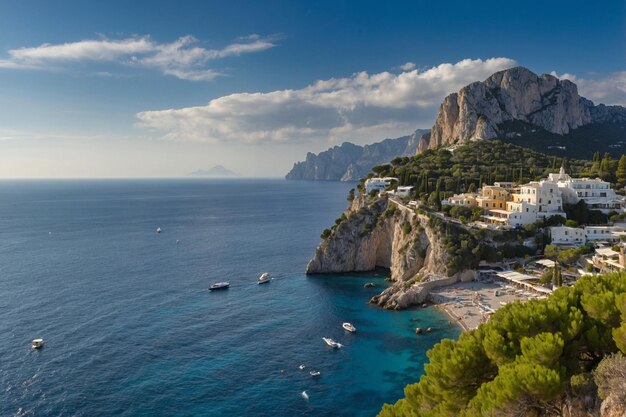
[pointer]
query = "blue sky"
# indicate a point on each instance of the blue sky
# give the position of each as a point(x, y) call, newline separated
point(122, 89)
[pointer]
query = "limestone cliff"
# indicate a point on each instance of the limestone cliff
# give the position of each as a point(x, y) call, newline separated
point(481, 109)
point(350, 162)
point(379, 233)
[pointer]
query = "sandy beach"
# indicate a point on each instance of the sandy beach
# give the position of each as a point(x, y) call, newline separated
point(471, 303)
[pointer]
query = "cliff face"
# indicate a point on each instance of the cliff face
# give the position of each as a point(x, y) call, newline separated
point(373, 236)
point(479, 110)
point(350, 162)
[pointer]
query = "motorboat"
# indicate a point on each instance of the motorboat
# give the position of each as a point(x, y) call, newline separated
point(305, 395)
point(302, 367)
point(219, 286)
point(331, 343)
point(370, 285)
point(315, 373)
point(37, 343)
point(265, 277)
point(349, 327)
point(158, 230)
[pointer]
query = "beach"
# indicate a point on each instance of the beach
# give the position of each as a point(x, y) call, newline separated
point(471, 303)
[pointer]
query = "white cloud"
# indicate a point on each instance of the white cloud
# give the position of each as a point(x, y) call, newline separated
point(608, 89)
point(407, 66)
point(359, 108)
point(183, 58)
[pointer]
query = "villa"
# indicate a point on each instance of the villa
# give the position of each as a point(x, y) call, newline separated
point(595, 192)
point(378, 184)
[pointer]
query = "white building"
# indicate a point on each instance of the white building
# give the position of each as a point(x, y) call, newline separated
point(596, 193)
point(544, 195)
point(563, 235)
point(600, 233)
point(378, 184)
point(535, 201)
point(403, 191)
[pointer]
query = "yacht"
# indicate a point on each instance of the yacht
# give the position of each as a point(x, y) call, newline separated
point(331, 343)
point(219, 286)
point(37, 343)
point(349, 327)
point(265, 277)
point(315, 373)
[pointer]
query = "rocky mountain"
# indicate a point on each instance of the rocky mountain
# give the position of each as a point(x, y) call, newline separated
point(218, 171)
point(350, 162)
point(516, 102)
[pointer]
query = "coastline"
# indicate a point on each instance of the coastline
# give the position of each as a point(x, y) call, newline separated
point(457, 320)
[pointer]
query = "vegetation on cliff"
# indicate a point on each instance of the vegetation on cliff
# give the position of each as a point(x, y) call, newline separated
point(533, 358)
point(471, 165)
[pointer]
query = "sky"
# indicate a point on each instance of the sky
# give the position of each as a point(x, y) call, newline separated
point(163, 88)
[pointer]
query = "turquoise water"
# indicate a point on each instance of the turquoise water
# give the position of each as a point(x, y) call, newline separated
point(131, 329)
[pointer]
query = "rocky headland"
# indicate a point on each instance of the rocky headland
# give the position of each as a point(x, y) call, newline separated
point(350, 162)
point(378, 232)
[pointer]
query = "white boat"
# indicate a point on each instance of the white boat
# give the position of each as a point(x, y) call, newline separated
point(331, 343)
point(37, 343)
point(302, 367)
point(349, 327)
point(265, 277)
point(315, 373)
point(305, 395)
point(158, 230)
point(219, 286)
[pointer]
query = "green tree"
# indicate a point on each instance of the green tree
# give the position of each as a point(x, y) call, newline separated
point(620, 174)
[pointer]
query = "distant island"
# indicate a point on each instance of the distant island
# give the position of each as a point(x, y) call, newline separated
point(218, 171)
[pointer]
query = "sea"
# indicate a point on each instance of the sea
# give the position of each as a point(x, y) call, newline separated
point(131, 329)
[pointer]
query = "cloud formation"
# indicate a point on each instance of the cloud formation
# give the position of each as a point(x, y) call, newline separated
point(408, 66)
point(184, 58)
point(359, 108)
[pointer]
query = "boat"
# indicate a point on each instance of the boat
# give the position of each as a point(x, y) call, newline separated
point(265, 277)
point(349, 327)
point(302, 367)
point(219, 286)
point(37, 343)
point(305, 395)
point(369, 285)
point(158, 230)
point(315, 373)
point(331, 343)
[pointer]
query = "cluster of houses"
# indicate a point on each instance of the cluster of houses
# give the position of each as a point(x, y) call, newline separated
point(507, 204)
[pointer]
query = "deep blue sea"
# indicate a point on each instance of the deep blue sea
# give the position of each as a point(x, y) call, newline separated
point(130, 328)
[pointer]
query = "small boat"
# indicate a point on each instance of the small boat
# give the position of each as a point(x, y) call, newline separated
point(315, 373)
point(158, 230)
point(349, 327)
point(37, 343)
point(331, 343)
point(302, 367)
point(265, 277)
point(219, 286)
point(305, 395)
point(369, 285)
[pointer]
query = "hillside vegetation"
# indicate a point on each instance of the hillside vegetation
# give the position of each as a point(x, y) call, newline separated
point(471, 165)
point(531, 359)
